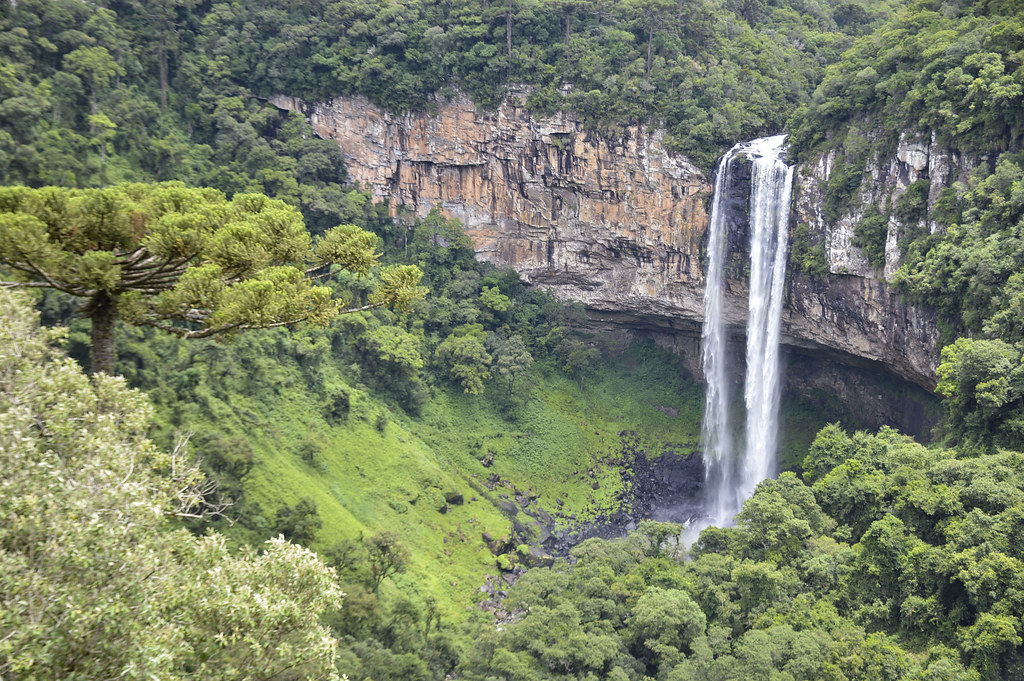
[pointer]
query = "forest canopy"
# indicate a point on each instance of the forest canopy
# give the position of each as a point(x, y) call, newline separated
point(95, 580)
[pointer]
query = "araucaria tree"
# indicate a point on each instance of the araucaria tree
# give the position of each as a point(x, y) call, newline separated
point(185, 260)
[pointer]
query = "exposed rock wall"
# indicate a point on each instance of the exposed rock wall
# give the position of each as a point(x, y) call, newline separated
point(617, 224)
point(885, 180)
point(612, 223)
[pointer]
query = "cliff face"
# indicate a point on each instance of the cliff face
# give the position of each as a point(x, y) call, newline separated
point(885, 180)
point(617, 224)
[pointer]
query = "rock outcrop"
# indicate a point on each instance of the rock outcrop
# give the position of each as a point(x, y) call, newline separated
point(886, 178)
point(617, 224)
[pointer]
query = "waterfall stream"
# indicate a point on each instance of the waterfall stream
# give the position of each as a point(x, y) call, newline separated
point(732, 475)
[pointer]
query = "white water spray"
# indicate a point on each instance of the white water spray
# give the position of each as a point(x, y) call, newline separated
point(731, 478)
point(771, 186)
point(715, 429)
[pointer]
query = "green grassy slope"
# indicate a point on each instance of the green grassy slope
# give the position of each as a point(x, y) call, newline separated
point(378, 468)
point(364, 479)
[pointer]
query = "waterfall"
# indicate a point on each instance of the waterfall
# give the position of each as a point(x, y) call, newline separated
point(732, 476)
point(715, 429)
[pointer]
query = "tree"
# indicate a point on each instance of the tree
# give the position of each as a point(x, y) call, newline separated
point(650, 14)
point(388, 556)
point(299, 523)
point(983, 382)
point(465, 356)
point(576, 357)
point(511, 360)
point(184, 260)
point(666, 622)
point(98, 68)
point(94, 582)
point(158, 21)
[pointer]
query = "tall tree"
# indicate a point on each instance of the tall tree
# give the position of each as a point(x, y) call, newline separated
point(650, 14)
point(569, 9)
point(98, 68)
point(160, 23)
point(185, 260)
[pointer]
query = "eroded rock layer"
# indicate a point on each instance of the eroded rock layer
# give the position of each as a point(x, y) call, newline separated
point(617, 224)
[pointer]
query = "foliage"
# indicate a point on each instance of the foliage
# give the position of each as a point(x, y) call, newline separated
point(870, 235)
point(971, 276)
point(805, 255)
point(948, 67)
point(95, 94)
point(185, 260)
point(983, 385)
point(388, 556)
point(95, 582)
point(465, 357)
point(897, 562)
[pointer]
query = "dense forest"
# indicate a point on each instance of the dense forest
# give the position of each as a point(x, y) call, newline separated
point(255, 497)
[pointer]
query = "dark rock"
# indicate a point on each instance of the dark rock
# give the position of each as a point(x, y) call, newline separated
point(534, 557)
point(543, 533)
point(454, 498)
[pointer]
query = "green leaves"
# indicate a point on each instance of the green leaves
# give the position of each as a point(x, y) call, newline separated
point(399, 287)
point(188, 260)
point(983, 383)
point(950, 72)
point(348, 246)
point(93, 582)
point(465, 356)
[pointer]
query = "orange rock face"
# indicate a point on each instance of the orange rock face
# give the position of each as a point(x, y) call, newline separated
point(599, 220)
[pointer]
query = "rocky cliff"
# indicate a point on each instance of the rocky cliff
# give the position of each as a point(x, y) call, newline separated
point(617, 224)
point(885, 178)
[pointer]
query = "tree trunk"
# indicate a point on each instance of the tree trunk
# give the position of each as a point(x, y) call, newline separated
point(94, 106)
point(508, 31)
point(650, 48)
point(568, 19)
point(163, 74)
point(103, 314)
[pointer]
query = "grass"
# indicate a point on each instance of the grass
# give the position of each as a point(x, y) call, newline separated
point(363, 479)
point(366, 474)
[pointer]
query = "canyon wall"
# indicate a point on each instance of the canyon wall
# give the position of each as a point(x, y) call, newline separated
point(617, 224)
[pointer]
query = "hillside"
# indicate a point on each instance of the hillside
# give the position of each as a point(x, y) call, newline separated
point(493, 473)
